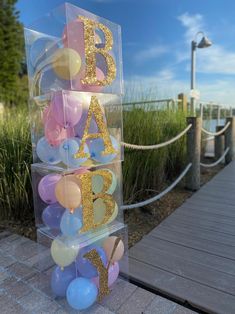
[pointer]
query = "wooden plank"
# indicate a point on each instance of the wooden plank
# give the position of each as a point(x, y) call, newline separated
point(212, 199)
point(210, 204)
point(208, 209)
point(191, 255)
point(198, 295)
point(179, 266)
point(191, 241)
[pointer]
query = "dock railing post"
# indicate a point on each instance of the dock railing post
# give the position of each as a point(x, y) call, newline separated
point(219, 143)
point(194, 153)
point(182, 102)
point(230, 139)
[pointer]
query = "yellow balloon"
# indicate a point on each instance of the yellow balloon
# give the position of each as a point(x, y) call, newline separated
point(66, 63)
point(100, 209)
point(63, 253)
point(68, 193)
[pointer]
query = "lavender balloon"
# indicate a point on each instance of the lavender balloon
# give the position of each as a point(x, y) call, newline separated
point(66, 109)
point(60, 279)
point(51, 216)
point(112, 275)
point(46, 188)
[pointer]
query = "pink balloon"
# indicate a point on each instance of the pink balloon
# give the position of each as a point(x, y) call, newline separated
point(73, 37)
point(77, 85)
point(65, 108)
point(112, 275)
point(46, 188)
point(56, 134)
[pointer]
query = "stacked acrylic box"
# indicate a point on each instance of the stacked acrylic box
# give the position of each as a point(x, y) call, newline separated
point(75, 84)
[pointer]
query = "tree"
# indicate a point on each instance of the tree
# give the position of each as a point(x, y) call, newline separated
point(11, 51)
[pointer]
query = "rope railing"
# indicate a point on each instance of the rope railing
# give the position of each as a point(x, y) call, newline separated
point(157, 197)
point(216, 133)
point(156, 146)
point(216, 162)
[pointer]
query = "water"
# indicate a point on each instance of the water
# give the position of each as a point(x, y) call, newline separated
point(210, 125)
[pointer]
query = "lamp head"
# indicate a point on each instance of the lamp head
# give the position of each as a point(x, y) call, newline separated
point(204, 43)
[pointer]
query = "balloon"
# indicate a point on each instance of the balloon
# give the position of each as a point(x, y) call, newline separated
point(113, 273)
point(84, 266)
point(48, 82)
point(66, 63)
point(46, 187)
point(96, 147)
point(41, 50)
point(68, 193)
point(108, 246)
point(55, 134)
point(62, 252)
point(47, 153)
point(77, 84)
point(71, 223)
point(66, 109)
point(73, 37)
point(81, 293)
point(60, 279)
point(46, 114)
point(67, 151)
point(98, 183)
point(51, 216)
point(79, 128)
point(100, 210)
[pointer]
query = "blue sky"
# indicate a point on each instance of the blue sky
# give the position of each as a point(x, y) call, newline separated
point(156, 38)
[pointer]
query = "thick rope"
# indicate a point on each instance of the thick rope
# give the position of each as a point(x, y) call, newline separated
point(146, 147)
point(157, 197)
point(217, 133)
point(217, 162)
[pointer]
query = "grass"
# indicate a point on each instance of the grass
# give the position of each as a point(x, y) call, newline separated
point(142, 170)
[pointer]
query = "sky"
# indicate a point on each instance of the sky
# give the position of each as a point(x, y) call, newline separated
point(156, 39)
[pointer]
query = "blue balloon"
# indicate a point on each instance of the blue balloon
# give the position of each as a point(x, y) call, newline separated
point(84, 266)
point(81, 293)
point(60, 279)
point(41, 50)
point(51, 215)
point(71, 223)
point(96, 147)
point(68, 148)
point(48, 81)
point(47, 153)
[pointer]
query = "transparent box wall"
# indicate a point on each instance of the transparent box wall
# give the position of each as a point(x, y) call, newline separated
point(56, 58)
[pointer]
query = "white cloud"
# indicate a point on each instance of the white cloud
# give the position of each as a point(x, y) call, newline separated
point(192, 23)
point(150, 53)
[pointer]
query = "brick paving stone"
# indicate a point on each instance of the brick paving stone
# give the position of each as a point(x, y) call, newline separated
point(99, 309)
point(3, 275)
point(6, 260)
point(11, 247)
point(16, 289)
point(66, 307)
point(137, 302)
point(182, 310)
point(4, 234)
point(35, 301)
point(21, 271)
point(41, 261)
point(10, 306)
point(41, 282)
point(121, 291)
point(160, 305)
point(26, 250)
point(50, 308)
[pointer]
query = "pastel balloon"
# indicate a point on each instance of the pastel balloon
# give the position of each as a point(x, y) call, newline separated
point(42, 49)
point(68, 149)
point(113, 273)
point(81, 293)
point(62, 252)
point(78, 85)
point(100, 210)
point(46, 187)
point(55, 133)
point(96, 148)
point(68, 193)
point(79, 128)
point(73, 37)
point(51, 216)
point(108, 246)
point(84, 266)
point(98, 183)
point(66, 109)
point(46, 114)
point(47, 153)
point(66, 63)
point(71, 223)
point(60, 279)
point(49, 81)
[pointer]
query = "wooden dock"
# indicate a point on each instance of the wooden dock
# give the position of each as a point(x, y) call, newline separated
point(190, 256)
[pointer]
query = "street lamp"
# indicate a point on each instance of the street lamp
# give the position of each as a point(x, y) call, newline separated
point(204, 43)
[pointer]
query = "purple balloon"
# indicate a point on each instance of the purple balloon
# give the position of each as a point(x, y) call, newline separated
point(84, 266)
point(52, 214)
point(112, 275)
point(46, 188)
point(60, 279)
point(66, 109)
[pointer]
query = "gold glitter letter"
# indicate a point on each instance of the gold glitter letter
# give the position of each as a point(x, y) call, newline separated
point(91, 50)
point(104, 134)
point(95, 259)
point(88, 198)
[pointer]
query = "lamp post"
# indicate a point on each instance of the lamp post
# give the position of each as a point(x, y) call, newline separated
point(204, 43)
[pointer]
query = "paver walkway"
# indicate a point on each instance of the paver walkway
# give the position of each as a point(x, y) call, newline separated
point(24, 289)
point(190, 256)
